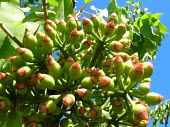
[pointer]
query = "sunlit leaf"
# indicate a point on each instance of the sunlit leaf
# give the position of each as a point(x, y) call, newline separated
point(87, 1)
point(157, 15)
point(53, 2)
point(113, 7)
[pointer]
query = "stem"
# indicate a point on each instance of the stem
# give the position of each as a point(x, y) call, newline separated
point(45, 9)
point(120, 82)
point(136, 95)
point(105, 103)
point(81, 10)
point(121, 116)
point(11, 35)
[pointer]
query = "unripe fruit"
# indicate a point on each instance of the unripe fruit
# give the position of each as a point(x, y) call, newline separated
point(6, 79)
point(115, 46)
point(140, 112)
point(103, 23)
point(61, 26)
point(126, 44)
point(50, 32)
point(30, 41)
point(68, 63)
point(128, 66)
point(144, 88)
point(26, 54)
point(148, 69)
point(17, 61)
point(54, 68)
point(106, 83)
point(86, 44)
point(124, 56)
point(95, 112)
point(45, 81)
point(118, 65)
point(68, 100)
point(142, 123)
point(96, 72)
point(107, 65)
point(51, 23)
point(75, 71)
point(47, 44)
point(51, 105)
point(95, 20)
point(74, 36)
point(109, 29)
point(40, 36)
point(113, 17)
point(87, 25)
point(5, 103)
point(24, 71)
point(120, 30)
point(86, 73)
point(84, 93)
point(81, 111)
point(88, 82)
point(21, 88)
point(117, 105)
point(153, 98)
point(136, 73)
point(71, 24)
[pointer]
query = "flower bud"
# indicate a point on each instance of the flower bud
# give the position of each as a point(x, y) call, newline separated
point(75, 71)
point(118, 65)
point(107, 65)
point(109, 29)
point(95, 112)
point(136, 73)
point(86, 44)
point(96, 72)
point(50, 32)
point(30, 41)
point(106, 83)
point(88, 82)
point(128, 66)
point(26, 54)
point(6, 79)
point(68, 100)
point(51, 23)
point(120, 30)
point(54, 68)
point(74, 36)
point(51, 105)
point(124, 56)
point(86, 73)
point(81, 111)
point(144, 88)
point(95, 20)
point(68, 63)
point(21, 88)
point(45, 81)
point(153, 98)
point(5, 103)
point(126, 44)
point(103, 23)
point(87, 25)
point(142, 123)
point(115, 46)
point(47, 44)
point(71, 24)
point(113, 17)
point(17, 61)
point(148, 69)
point(84, 93)
point(61, 26)
point(24, 71)
point(118, 105)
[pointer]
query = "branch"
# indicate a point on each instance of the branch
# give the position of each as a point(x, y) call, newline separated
point(10, 35)
point(45, 9)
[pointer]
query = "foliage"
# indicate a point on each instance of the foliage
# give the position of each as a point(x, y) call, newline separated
point(59, 68)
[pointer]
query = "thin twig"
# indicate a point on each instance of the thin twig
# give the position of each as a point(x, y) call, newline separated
point(10, 35)
point(45, 9)
point(81, 10)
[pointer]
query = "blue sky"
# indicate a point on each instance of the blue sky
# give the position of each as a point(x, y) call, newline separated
point(161, 75)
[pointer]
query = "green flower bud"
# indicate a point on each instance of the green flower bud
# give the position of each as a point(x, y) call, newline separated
point(86, 73)
point(50, 32)
point(106, 83)
point(118, 105)
point(136, 73)
point(54, 68)
point(81, 111)
point(74, 36)
point(103, 23)
point(124, 56)
point(40, 36)
point(33, 120)
point(115, 46)
point(51, 105)
point(153, 98)
point(45, 81)
point(47, 44)
point(5, 103)
point(68, 99)
point(75, 71)
point(107, 65)
point(84, 93)
point(6, 79)
point(140, 112)
point(118, 65)
point(51, 23)
point(88, 82)
point(128, 66)
point(81, 35)
point(96, 72)
point(71, 24)
point(113, 17)
point(87, 25)
point(148, 69)
point(142, 123)
point(68, 63)
point(24, 71)
point(126, 44)
point(95, 113)
point(95, 20)
point(144, 88)
point(21, 88)
point(61, 26)
point(109, 29)
point(26, 54)
point(30, 41)
point(17, 61)
point(120, 30)
point(86, 44)
point(87, 56)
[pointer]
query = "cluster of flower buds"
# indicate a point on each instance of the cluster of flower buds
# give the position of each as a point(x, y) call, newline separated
point(93, 79)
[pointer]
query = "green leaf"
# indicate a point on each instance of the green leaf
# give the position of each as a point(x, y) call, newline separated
point(157, 15)
point(5, 65)
point(87, 1)
point(53, 2)
point(9, 1)
point(113, 7)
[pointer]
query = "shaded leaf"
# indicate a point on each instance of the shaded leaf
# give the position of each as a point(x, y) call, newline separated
point(5, 65)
